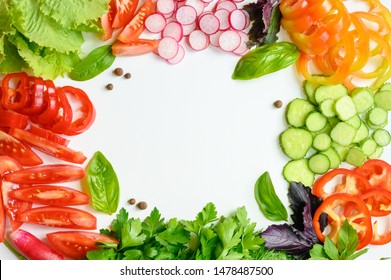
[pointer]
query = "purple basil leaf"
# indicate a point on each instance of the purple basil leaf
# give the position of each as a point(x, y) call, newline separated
point(287, 238)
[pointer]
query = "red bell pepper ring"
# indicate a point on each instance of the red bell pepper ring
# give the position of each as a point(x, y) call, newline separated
point(380, 238)
point(51, 105)
point(85, 111)
point(64, 116)
point(352, 183)
point(378, 201)
point(15, 91)
point(35, 103)
point(341, 206)
point(378, 173)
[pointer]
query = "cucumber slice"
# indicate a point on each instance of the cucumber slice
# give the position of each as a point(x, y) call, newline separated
point(309, 90)
point(335, 159)
point(345, 108)
point(382, 137)
point(343, 133)
point(298, 171)
point(315, 121)
point(321, 142)
point(319, 163)
point(368, 146)
point(383, 99)
point(356, 156)
point(362, 98)
point(341, 150)
point(327, 107)
point(377, 118)
point(297, 112)
point(335, 92)
point(295, 142)
point(362, 133)
point(355, 121)
point(378, 153)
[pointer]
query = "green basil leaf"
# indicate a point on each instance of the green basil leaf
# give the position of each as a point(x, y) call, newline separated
point(267, 199)
point(330, 249)
point(103, 184)
point(265, 59)
point(347, 240)
point(97, 61)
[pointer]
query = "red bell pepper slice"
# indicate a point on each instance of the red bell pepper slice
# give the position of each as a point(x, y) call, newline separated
point(378, 201)
point(378, 173)
point(51, 105)
point(15, 91)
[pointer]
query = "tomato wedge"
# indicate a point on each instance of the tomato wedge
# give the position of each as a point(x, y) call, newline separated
point(137, 47)
point(341, 206)
point(49, 147)
point(135, 27)
point(13, 119)
point(12, 147)
point(378, 173)
point(50, 195)
point(48, 134)
point(58, 216)
point(350, 182)
point(123, 12)
point(76, 244)
point(46, 174)
point(10, 206)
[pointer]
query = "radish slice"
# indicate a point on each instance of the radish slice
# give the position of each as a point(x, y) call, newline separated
point(166, 6)
point(187, 29)
point(227, 5)
point(198, 40)
point(223, 15)
point(242, 49)
point(237, 19)
point(155, 23)
point(198, 5)
point(186, 15)
point(229, 40)
point(209, 23)
point(207, 2)
point(179, 56)
point(168, 48)
point(173, 29)
point(214, 38)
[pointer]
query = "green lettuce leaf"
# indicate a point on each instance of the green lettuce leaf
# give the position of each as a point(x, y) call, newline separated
point(43, 30)
point(46, 62)
point(74, 13)
point(10, 60)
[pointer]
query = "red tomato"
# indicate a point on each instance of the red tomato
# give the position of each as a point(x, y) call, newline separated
point(31, 247)
point(57, 216)
point(85, 110)
point(75, 244)
point(46, 174)
point(341, 206)
point(48, 134)
point(137, 47)
point(13, 119)
point(378, 201)
point(10, 206)
point(49, 147)
point(123, 12)
point(352, 183)
point(135, 27)
point(378, 173)
point(50, 195)
point(12, 147)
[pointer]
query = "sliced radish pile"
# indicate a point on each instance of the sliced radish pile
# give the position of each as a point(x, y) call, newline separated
point(223, 26)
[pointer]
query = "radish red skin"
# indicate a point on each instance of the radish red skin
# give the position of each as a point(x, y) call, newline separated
point(31, 247)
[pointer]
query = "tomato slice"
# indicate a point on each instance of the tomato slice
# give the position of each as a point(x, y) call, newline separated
point(137, 47)
point(341, 206)
point(48, 134)
point(76, 244)
point(135, 27)
point(123, 12)
point(378, 173)
point(349, 182)
point(46, 174)
point(13, 119)
point(58, 216)
point(12, 147)
point(84, 112)
point(10, 206)
point(49, 147)
point(378, 201)
point(50, 195)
